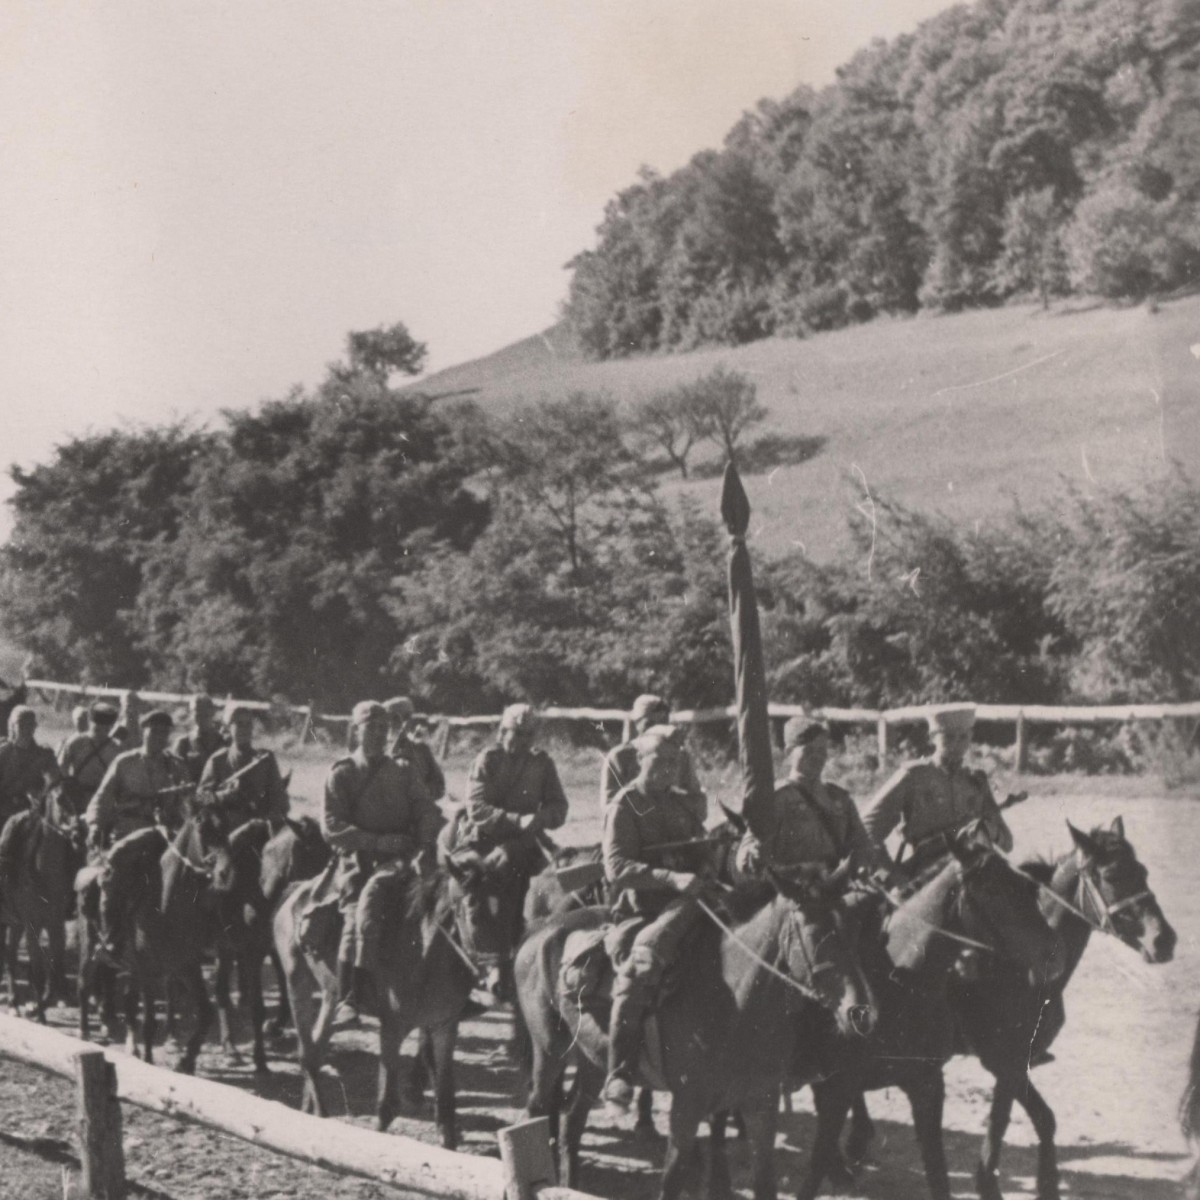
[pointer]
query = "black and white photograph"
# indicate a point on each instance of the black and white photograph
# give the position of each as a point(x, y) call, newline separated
point(600, 600)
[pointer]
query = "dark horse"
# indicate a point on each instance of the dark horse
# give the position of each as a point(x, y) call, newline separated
point(48, 844)
point(976, 899)
point(723, 1023)
point(425, 977)
point(171, 900)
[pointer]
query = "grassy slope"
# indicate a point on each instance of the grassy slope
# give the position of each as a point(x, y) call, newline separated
point(957, 413)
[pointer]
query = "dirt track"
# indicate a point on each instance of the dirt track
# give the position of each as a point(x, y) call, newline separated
point(1119, 1071)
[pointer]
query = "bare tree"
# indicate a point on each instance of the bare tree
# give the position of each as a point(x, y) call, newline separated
point(668, 421)
point(723, 405)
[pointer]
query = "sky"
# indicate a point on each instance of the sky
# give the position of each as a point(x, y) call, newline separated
point(199, 200)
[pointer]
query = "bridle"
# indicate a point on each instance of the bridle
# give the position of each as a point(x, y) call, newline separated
point(1090, 891)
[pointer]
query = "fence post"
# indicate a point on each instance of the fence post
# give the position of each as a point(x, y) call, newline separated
point(1022, 755)
point(881, 734)
point(100, 1151)
point(525, 1153)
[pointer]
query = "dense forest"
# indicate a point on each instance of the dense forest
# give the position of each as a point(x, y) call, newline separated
point(1006, 148)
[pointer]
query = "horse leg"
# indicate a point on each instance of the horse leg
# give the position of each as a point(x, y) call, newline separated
point(56, 957)
point(679, 1169)
point(862, 1131)
point(225, 1007)
point(833, 1098)
point(193, 983)
point(12, 941)
point(283, 1011)
point(314, 1023)
point(762, 1119)
point(643, 1128)
point(720, 1185)
point(1045, 1126)
point(441, 1042)
point(580, 1098)
point(250, 987)
point(545, 1095)
point(927, 1097)
point(38, 981)
point(986, 1173)
point(392, 1032)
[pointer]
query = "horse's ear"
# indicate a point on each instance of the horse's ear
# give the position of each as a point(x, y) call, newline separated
point(735, 819)
point(1118, 828)
point(287, 781)
point(1083, 842)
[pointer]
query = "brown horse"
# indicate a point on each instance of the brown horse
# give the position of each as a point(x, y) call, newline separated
point(424, 980)
point(976, 899)
point(37, 898)
point(724, 1022)
point(171, 899)
point(1097, 886)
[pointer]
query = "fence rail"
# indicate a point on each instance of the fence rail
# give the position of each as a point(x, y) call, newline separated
point(401, 1162)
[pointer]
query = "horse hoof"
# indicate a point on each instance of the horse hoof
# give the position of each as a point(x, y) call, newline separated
point(262, 1067)
point(185, 1066)
point(840, 1177)
point(646, 1131)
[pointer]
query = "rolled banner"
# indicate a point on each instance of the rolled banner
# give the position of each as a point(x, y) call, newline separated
point(754, 730)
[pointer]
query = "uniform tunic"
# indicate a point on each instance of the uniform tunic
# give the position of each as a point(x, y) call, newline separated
point(420, 757)
point(634, 825)
point(196, 747)
point(259, 794)
point(503, 787)
point(128, 797)
point(810, 824)
point(85, 759)
point(924, 800)
point(621, 769)
point(23, 770)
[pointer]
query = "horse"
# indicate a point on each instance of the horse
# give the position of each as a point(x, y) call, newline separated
point(1189, 1118)
point(976, 899)
point(424, 979)
point(170, 897)
point(723, 1020)
point(37, 898)
point(1097, 886)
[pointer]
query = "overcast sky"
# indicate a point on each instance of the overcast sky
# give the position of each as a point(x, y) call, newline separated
point(199, 200)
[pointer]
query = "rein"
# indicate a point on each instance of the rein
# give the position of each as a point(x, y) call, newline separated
point(1090, 888)
point(204, 872)
point(961, 938)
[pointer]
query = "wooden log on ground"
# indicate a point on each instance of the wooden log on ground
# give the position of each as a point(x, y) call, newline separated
point(398, 1161)
point(101, 1153)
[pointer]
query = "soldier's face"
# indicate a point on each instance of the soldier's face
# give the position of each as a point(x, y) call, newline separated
point(243, 731)
point(26, 728)
point(951, 745)
point(373, 737)
point(516, 741)
point(657, 771)
point(812, 756)
point(155, 738)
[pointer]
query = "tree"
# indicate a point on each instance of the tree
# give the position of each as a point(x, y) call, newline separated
point(723, 404)
point(666, 420)
point(1033, 258)
point(380, 352)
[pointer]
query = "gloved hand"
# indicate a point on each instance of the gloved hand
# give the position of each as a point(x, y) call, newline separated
point(531, 822)
point(688, 884)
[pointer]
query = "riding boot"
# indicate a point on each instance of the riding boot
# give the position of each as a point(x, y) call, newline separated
point(624, 1046)
point(347, 1009)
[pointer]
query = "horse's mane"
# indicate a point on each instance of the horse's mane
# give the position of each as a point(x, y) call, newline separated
point(252, 834)
point(1040, 869)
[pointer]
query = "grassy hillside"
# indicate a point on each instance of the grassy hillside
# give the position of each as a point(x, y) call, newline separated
point(956, 413)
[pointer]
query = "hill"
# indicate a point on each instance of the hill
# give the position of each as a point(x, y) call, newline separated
point(964, 414)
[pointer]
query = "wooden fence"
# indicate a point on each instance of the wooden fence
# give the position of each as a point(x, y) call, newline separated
point(524, 1170)
point(882, 720)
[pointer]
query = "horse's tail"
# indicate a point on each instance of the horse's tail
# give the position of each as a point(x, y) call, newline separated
point(1189, 1105)
point(521, 1048)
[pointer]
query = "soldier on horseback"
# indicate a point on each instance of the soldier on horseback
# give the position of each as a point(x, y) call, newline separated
point(621, 764)
point(203, 739)
point(143, 789)
point(933, 797)
point(85, 757)
point(513, 795)
point(26, 766)
point(378, 817)
point(658, 880)
point(244, 783)
point(813, 821)
point(415, 752)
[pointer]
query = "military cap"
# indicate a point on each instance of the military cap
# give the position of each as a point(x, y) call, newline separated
point(19, 714)
point(519, 716)
point(201, 703)
point(368, 710)
point(400, 707)
point(952, 717)
point(646, 704)
point(655, 739)
point(799, 731)
point(158, 716)
point(103, 713)
point(236, 712)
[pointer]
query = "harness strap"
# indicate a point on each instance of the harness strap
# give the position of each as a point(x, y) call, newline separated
point(946, 933)
point(472, 965)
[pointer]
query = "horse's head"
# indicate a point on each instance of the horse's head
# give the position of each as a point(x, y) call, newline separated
point(1114, 888)
point(998, 907)
point(819, 949)
point(203, 845)
point(482, 910)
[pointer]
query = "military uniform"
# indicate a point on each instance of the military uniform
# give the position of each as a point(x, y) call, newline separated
point(259, 794)
point(23, 771)
point(503, 787)
point(621, 769)
point(84, 761)
point(196, 747)
point(130, 797)
point(420, 756)
point(377, 816)
point(926, 801)
point(810, 823)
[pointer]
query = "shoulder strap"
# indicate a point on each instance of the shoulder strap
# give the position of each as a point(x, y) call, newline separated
point(826, 820)
point(93, 755)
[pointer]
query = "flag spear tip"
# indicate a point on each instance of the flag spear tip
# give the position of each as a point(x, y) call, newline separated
point(735, 505)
